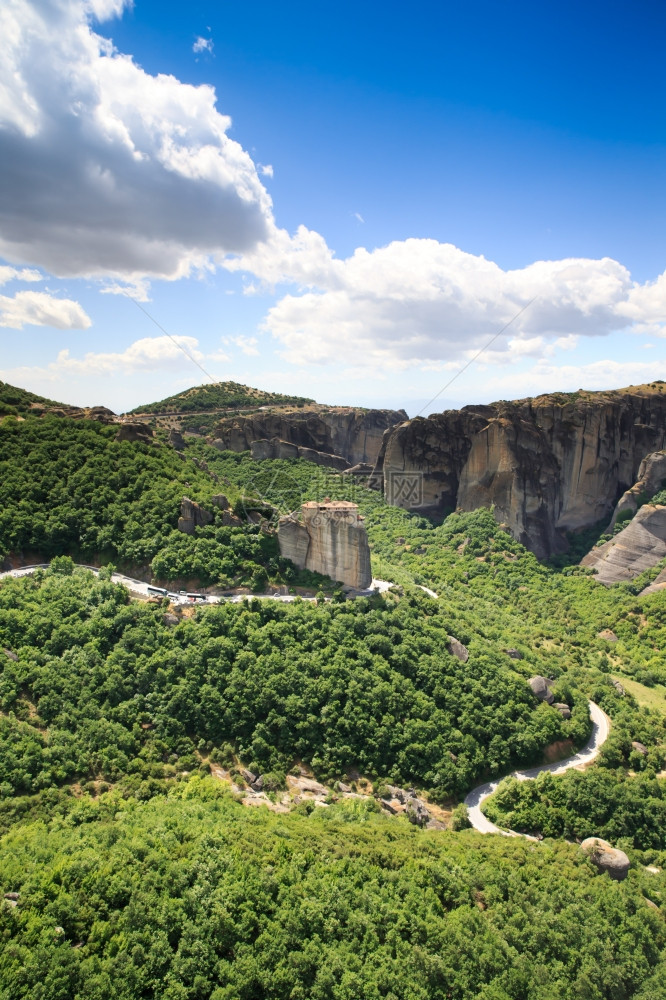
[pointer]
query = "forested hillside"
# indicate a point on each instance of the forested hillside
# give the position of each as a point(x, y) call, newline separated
point(369, 685)
point(191, 896)
point(130, 869)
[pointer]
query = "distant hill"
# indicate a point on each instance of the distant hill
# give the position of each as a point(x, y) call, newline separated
point(219, 396)
point(19, 401)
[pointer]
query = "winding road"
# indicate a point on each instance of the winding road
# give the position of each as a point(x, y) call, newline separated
point(475, 798)
point(143, 589)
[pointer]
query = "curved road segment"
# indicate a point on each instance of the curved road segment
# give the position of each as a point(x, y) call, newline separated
point(143, 589)
point(475, 798)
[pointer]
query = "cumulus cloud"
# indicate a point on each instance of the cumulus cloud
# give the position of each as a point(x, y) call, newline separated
point(105, 169)
point(548, 377)
point(18, 274)
point(419, 301)
point(203, 45)
point(149, 354)
point(42, 309)
point(265, 169)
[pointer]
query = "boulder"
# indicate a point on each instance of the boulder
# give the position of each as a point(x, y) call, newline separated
point(640, 747)
point(248, 776)
point(192, 516)
point(456, 648)
point(606, 858)
point(171, 620)
point(515, 654)
point(10, 655)
point(563, 709)
point(618, 687)
point(220, 501)
point(607, 634)
point(541, 689)
point(416, 812)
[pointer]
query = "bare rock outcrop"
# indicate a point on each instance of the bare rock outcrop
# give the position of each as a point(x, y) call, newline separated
point(659, 583)
point(563, 709)
point(176, 439)
point(276, 448)
point(328, 538)
point(606, 858)
point(134, 432)
point(639, 546)
point(192, 516)
point(651, 477)
point(351, 433)
point(547, 465)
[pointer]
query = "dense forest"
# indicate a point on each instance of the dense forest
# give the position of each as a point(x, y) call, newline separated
point(364, 684)
point(599, 802)
point(190, 896)
point(132, 872)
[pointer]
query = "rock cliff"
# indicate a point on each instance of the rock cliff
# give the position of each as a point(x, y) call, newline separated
point(639, 546)
point(547, 465)
point(328, 538)
point(354, 434)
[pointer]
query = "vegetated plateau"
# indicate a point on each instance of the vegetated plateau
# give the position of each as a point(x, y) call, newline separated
point(131, 870)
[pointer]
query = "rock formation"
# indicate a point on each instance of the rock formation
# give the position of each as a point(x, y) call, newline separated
point(546, 465)
point(328, 538)
point(651, 478)
point(457, 649)
point(192, 516)
point(353, 434)
point(639, 546)
point(275, 448)
point(659, 583)
point(606, 858)
point(541, 688)
point(134, 432)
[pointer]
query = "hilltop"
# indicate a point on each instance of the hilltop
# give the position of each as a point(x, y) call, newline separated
point(218, 396)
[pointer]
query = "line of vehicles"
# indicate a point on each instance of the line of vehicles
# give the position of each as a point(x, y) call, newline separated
point(180, 596)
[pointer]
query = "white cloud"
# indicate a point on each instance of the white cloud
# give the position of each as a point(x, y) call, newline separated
point(203, 45)
point(419, 301)
point(15, 274)
point(41, 309)
point(105, 169)
point(547, 377)
point(358, 217)
point(265, 169)
point(149, 354)
point(248, 345)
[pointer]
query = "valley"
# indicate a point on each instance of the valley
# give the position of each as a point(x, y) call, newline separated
point(275, 791)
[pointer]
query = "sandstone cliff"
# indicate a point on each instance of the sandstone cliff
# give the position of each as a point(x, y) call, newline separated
point(328, 538)
point(639, 546)
point(548, 465)
point(354, 434)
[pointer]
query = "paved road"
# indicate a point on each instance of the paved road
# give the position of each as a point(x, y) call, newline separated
point(143, 589)
point(475, 798)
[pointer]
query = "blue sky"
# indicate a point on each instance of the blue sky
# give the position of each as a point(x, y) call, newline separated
point(395, 184)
